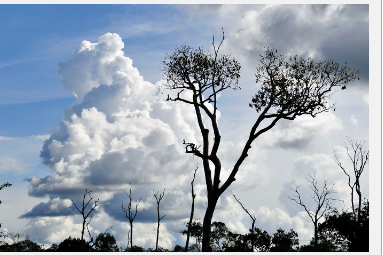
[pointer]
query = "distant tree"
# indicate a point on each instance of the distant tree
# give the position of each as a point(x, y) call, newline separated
point(236, 243)
point(195, 231)
point(322, 200)
point(158, 199)
point(284, 242)
point(84, 214)
point(359, 157)
point(74, 245)
point(53, 247)
point(21, 246)
point(324, 245)
point(178, 248)
point(191, 213)
point(289, 88)
point(344, 231)
point(2, 186)
point(129, 215)
point(256, 239)
point(105, 242)
point(135, 248)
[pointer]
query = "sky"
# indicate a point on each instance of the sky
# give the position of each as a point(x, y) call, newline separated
point(80, 109)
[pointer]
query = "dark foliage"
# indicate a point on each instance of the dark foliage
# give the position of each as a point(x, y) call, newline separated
point(346, 232)
point(74, 245)
point(22, 246)
point(105, 243)
point(285, 242)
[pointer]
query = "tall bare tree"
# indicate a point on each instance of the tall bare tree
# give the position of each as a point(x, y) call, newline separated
point(253, 218)
point(359, 157)
point(191, 213)
point(158, 199)
point(129, 215)
point(322, 200)
point(84, 214)
point(289, 88)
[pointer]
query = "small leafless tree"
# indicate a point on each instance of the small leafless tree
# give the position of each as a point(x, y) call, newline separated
point(359, 157)
point(322, 200)
point(191, 214)
point(129, 215)
point(288, 89)
point(253, 218)
point(158, 199)
point(84, 214)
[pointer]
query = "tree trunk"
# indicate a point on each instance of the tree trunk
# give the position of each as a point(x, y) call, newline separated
point(158, 230)
point(207, 225)
point(82, 236)
point(315, 235)
point(131, 236)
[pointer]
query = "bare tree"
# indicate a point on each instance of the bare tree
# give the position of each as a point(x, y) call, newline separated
point(322, 200)
point(84, 214)
point(158, 199)
point(253, 218)
point(129, 215)
point(191, 214)
point(289, 88)
point(359, 157)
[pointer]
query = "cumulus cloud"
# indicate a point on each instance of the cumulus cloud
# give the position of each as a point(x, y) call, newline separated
point(315, 31)
point(54, 207)
point(120, 131)
point(298, 134)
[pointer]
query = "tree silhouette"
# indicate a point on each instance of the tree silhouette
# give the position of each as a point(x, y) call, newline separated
point(359, 157)
point(322, 200)
point(191, 213)
point(158, 199)
point(289, 88)
point(345, 232)
point(195, 231)
point(129, 215)
point(253, 218)
point(85, 215)
point(284, 242)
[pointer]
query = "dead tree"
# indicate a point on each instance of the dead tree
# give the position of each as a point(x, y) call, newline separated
point(359, 157)
point(289, 88)
point(85, 215)
point(191, 214)
point(158, 199)
point(322, 200)
point(129, 215)
point(253, 218)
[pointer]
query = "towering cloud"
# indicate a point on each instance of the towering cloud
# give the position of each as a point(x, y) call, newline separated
point(119, 131)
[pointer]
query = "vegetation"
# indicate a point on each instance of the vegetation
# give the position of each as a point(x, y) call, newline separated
point(289, 88)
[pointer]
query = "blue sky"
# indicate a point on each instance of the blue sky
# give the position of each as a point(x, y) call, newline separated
point(89, 142)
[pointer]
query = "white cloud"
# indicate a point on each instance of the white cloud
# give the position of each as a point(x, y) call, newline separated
point(41, 137)
point(8, 163)
point(299, 133)
point(5, 138)
point(354, 121)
